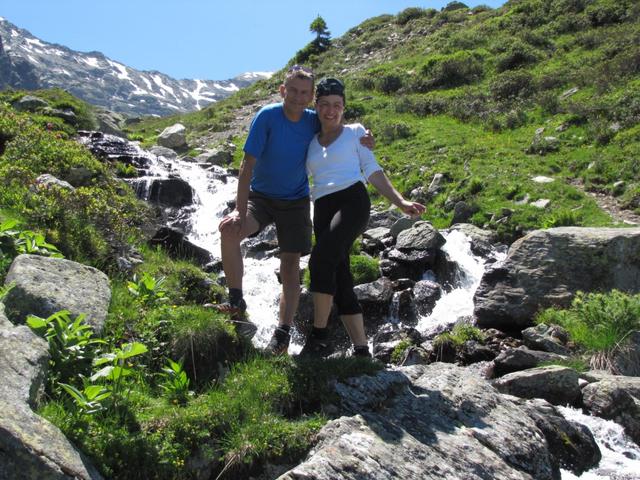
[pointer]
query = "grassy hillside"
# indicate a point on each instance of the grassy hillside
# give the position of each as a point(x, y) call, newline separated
point(462, 92)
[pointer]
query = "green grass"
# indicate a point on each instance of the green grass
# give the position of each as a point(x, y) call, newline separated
point(598, 322)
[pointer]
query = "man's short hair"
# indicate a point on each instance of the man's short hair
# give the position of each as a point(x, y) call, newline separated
point(299, 71)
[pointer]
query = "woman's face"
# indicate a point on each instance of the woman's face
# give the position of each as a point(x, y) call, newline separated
point(330, 109)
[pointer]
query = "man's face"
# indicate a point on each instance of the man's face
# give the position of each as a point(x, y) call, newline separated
point(297, 93)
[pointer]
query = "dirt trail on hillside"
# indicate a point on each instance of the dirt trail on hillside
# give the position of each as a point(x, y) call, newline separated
point(611, 205)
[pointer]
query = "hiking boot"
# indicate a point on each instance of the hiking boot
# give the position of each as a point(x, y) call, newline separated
point(245, 328)
point(238, 317)
point(361, 352)
point(279, 343)
point(316, 347)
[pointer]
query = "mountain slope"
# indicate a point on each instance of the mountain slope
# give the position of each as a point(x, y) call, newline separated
point(29, 63)
point(517, 111)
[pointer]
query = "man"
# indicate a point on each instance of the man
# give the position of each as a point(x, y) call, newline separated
point(273, 188)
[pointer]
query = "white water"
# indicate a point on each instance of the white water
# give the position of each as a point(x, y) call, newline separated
point(621, 457)
point(459, 301)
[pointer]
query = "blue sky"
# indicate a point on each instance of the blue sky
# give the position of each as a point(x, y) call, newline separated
point(203, 39)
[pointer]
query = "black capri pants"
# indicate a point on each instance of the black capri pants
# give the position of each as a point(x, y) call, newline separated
point(338, 219)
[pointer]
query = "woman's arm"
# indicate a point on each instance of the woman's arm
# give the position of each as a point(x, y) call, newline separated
point(382, 184)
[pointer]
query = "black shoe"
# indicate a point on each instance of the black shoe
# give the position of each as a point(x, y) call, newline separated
point(245, 328)
point(279, 343)
point(316, 347)
point(361, 352)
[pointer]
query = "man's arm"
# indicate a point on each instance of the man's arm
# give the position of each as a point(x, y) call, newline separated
point(237, 218)
point(367, 140)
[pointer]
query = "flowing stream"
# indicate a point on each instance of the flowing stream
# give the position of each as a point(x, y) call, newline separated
point(620, 456)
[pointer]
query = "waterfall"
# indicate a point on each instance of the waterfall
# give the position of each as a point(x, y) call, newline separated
point(459, 301)
point(620, 455)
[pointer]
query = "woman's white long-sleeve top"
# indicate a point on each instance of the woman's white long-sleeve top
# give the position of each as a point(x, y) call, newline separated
point(341, 164)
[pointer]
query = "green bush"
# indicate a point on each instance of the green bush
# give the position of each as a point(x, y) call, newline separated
point(389, 83)
point(364, 269)
point(449, 71)
point(509, 85)
point(598, 322)
point(517, 55)
point(409, 14)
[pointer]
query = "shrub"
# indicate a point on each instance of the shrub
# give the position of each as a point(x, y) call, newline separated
point(203, 339)
point(509, 85)
point(409, 14)
point(598, 322)
point(517, 55)
point(562, 218)
point(448, 71)
point(389, 83)
point(364, 269)
point(455, 5)
point(607, 12)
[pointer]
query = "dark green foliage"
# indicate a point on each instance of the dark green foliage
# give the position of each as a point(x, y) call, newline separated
point(517, 55)
point(364, 269)
point(409, 14)
point(447, 71)
point(509, 85)
point(451, 6)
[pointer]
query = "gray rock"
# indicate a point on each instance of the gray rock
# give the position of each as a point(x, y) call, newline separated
point(426, 422)
point(171, 192)
point(165, 152)
point(24, 359)
point(47, 181)
point(174, 136)
point(616, 398)
point(29, 103)
point(548, 338)
point(547, 267)
point(400, 225)
point(558, 385)
point(44, 286)
point(215, 157)
point(421, 236)
point(31, 447)
point(571, 444)
point(521, 358)
point(625, 359)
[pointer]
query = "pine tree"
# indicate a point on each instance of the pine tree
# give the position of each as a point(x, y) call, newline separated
point(323, 36)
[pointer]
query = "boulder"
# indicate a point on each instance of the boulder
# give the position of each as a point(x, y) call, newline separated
point(548, 338)
point(375, 297)
point(521, 358)
point(426, 293)
point(44, 286)
point(547, 267)
point(556, 384)
point(173, 137)
point(421, 236)
point(571, 444)
point(426, 422)
point(171, 192)
point(30, 446)
point(175, 243)
point(616, 398)
point(29, 103)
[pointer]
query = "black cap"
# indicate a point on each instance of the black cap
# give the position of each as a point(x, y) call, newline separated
point(329, 86)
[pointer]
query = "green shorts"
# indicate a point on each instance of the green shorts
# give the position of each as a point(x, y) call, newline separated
point(291, 217)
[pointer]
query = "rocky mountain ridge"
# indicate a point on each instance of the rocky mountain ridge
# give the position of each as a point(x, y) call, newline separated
point(27, 62)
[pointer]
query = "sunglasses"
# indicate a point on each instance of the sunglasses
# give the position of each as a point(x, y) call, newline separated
point(300, 68)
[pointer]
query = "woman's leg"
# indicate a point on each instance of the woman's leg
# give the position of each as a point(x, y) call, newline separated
point(354, 325)
point(339, 219)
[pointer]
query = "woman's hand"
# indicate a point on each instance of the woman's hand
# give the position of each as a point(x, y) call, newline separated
point(413, 209)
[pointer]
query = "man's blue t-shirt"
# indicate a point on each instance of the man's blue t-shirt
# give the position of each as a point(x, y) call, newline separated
point(280, 147)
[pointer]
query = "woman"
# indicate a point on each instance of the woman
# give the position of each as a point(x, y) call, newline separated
point(340, 166)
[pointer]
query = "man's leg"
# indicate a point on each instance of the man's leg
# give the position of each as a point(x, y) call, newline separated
point(230, 239)
point(290, 275)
